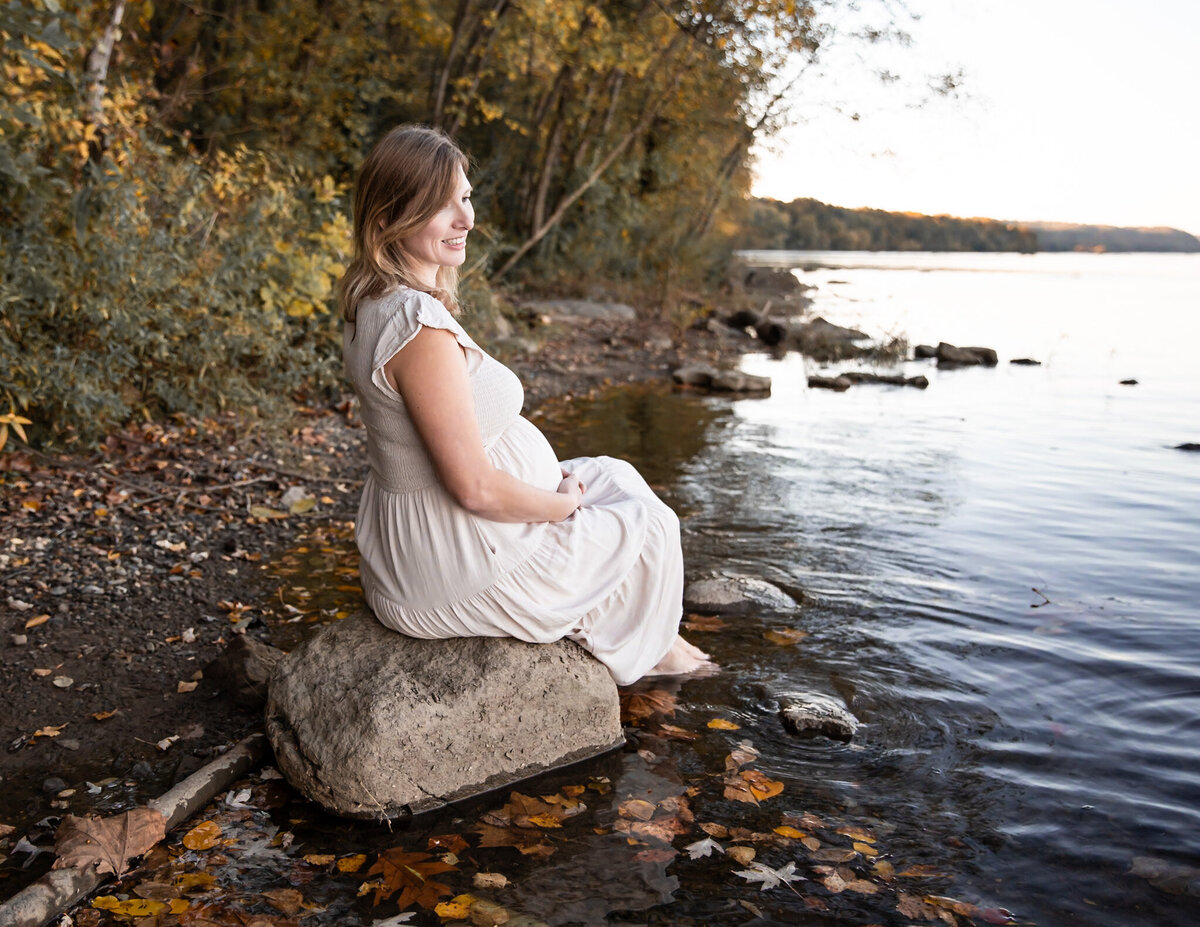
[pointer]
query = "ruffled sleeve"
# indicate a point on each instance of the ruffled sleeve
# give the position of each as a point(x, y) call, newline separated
point(405, 311)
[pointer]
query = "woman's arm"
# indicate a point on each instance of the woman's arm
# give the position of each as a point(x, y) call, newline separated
point(430, 372)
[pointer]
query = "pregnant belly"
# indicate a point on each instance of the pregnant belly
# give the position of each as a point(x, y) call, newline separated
point(523, 451)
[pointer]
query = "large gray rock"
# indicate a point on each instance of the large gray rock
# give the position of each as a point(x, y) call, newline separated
point(582, 309)
point(810, 713)
point(733, 594)
point(949, 355)
point(734, 381)
point(372, 724)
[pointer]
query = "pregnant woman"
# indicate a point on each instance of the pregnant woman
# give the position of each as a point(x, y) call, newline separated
point(468, 524)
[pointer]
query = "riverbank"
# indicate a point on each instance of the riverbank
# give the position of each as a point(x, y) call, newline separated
point(126, 573)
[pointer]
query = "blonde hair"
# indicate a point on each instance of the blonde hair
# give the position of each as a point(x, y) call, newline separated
point(410, 174)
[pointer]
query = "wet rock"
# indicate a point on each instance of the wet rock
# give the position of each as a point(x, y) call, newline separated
point(807, 713)
point(581, 309)
point(1187, 446)
point(1025, 362)
point(949, 355)
point(862, 376)
point(924, 351)
point(243, 669)
point(695, 375)
point(771, 332)
point(770, 280)
point(734, 381)
point(52, 785)
point(819, 337)
point(734, 594)
point(372, 724)
point(742, 318)
point(1129, 382)
point(840, 384)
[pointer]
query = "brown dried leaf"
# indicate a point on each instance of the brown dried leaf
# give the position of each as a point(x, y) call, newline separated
point(287, 900)
point(449, 843)
point(922, 871)
point(109, 843)
point(834, 855)
point(785, 637)
point(410, 875)
point(862, 886)
point(639, 705)
point(720, 831)
point(741, 855)
point(637, 808)
point(676, 733)
point(203, 836)
point(704, 623)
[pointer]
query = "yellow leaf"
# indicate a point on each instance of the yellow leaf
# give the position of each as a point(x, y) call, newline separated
point(453, 910)
point(721, 724)
point(34, 622)
point(351, 863)
point(134, 907)
point(545, 820)
point(203, 836)
point(262, 511)
point(786, 831)
point(178, 905)
point(866, 849)
point(319, 859)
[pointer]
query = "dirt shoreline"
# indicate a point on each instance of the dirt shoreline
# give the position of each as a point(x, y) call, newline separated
point(124, 574)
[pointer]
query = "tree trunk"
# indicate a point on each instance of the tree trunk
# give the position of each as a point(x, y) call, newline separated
point(96, 76)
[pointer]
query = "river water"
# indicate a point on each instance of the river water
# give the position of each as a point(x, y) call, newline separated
point(1000, 573)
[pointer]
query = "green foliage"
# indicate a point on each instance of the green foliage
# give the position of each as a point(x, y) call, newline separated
point(810, 225)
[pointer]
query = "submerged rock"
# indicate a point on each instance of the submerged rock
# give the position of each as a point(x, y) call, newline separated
point(372, 724)
point(949, 355)
point(734, 381)
point(733, 594)
point(810, 713)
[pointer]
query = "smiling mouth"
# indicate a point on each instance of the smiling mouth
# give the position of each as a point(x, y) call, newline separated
point(455, 241)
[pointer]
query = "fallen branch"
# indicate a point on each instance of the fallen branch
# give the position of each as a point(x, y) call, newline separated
point(59, 889)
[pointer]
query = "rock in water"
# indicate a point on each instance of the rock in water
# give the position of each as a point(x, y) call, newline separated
point(733, 595)
point(808, 713)
point(372, 724)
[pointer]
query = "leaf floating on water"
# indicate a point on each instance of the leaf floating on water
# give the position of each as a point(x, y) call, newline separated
point(884, 870)
point(720, 724)
point(703, 623)
point(713, 829)
point(786, 831)
point(759, 872)
point(637, 808)
point(807, 821)
point(741, 855)
point(702, 848)
point(410, 875)
point(834, 855)
point(866, 849)
point(751, 786)
point(857, 834)
point(676, 733)
point(454, 910)
point(108, 844)
point(922, 871)
point(133, 907)
point(203, 836)
point(450, 843)
point(287, 900)
point(640, 705)
point(785, 637)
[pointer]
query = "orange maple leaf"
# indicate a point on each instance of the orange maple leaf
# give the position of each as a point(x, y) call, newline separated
point(410, 875)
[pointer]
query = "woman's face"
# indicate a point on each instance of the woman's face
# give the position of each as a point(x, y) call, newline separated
point(443, 240)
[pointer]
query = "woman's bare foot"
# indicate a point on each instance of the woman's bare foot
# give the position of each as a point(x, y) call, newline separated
point(684, 659)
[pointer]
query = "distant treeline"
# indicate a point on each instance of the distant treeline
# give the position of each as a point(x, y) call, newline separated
point(1059, 236)
point(810, 225)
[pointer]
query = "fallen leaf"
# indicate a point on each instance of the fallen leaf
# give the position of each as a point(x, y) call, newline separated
point(862, 886)
point(638, 809)
point(741, 855)
point(720, 831)
point(36, 620)
point(866, 849)
point(287, 900)
point(834, 855)
point(922, 871)
point(203, 836)
point(785, 637)
point(133, 907)
point(319, 859)
point(50, 730)
point(857, 834)
point(751, 786)
point(720, 724)
point(884, 869)
point(701, 848)
point(63, 682)
point(107, 844)
point(262, 511)
point(546, 820)
point(639, 705)
point(676, 733)
point(742, 754)
point(105, 715)
point(703, 623)
point(786, 831)
point(410, 875)
point(811, 843)
point(38, 671)
point(806, 822)
point(453, 910)
point(759, 872)
point(186, 687)
point(965, 908)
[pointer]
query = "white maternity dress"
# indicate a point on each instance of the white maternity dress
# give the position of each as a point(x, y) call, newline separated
point(609, 577)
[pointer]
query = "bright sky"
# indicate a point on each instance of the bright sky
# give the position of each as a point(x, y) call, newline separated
point(1070, 110)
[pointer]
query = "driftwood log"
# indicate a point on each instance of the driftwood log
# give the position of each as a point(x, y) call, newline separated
point(59, 889)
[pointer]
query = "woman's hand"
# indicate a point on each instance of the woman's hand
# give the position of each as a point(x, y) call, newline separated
point(572, 487)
